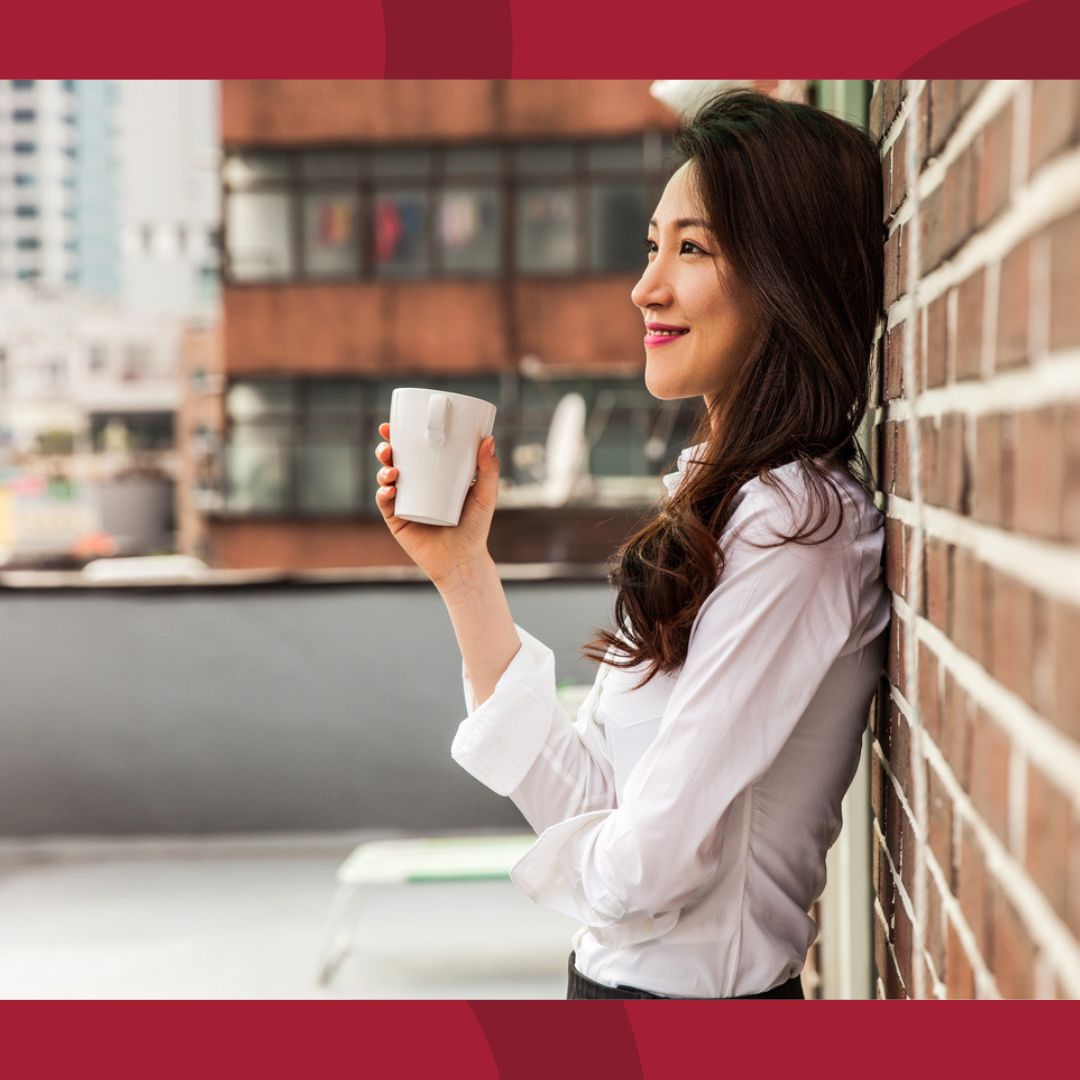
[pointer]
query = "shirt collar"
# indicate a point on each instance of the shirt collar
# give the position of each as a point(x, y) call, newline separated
point(682, 467)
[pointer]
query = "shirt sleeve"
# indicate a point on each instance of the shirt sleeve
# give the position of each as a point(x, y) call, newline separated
point(760, 648)
point(521, 742)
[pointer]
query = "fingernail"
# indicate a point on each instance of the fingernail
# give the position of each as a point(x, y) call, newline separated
point(380, 448)
point(492, 448)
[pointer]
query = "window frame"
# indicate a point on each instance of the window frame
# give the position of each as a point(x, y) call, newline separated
point(508, 179)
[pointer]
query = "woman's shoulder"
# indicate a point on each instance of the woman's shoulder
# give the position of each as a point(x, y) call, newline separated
point(823, 501)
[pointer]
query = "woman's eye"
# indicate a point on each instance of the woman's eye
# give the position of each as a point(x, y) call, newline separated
point(690, 248)
point(650, 245)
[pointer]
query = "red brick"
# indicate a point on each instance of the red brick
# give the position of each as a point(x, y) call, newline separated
point(993, 469)
point(897, 175)
point(929, 705)
point(1013, 950)
point(937, 343)
point(995, 166)
point(1070, 511)
point(969, 323)
point(886, 888)
point(954, 463)
point(1013, 619)
point(900, 752)
point(1065, 282)
point(975, 891)
point(1063, 625)
point(892, 96)
point(922, 109)
point(905, 255)
point(1014, 293)
point(959, 976)
point(881, 954)
point(876, 119)
point(893, 285)
point(894, 985)
point(940, 824)
point(932, 236)
point(1047, 847)
point(908, 859)
point(961, 186)
point(1055, 118)
point(902, 475)
point(1039, 471)
point(893, 380)
point(968, 607)
point(1072, 875)
point(930, 462)
point(935, 929)
point(957, 731)
point(939, 576)
point(990, 774)
point(903, 943)
point(897, 544)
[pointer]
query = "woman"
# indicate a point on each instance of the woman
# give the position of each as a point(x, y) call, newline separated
point(685, 815)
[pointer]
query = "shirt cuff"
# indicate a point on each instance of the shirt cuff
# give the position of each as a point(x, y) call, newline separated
point(551, 873)
point(500, 739)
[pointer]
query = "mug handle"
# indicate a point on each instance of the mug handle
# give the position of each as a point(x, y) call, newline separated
point(438, 411)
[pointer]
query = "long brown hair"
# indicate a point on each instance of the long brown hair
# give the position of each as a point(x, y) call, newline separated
point(794, 199)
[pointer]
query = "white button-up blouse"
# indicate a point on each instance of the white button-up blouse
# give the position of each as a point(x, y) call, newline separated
point(686, 823)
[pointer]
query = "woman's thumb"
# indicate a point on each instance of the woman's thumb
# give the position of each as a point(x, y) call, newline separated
point(487, 467)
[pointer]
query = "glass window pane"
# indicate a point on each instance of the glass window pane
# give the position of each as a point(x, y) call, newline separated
point(258, 236)
point(618, 221)
point(473, 161)
point(628, 156)
point(334, 396)
point(243, 169)
point(257, 470)
point(251, 400)
point(330, 165)
point(469, 229)
point(327, 475)
point(547, 160)
point(331, 245)
point(401, 248)
point(401, 163)
point(545, 230)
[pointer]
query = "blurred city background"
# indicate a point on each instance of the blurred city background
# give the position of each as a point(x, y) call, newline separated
point(220, 673)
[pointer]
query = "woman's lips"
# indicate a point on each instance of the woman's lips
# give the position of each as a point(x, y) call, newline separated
point(652, 338)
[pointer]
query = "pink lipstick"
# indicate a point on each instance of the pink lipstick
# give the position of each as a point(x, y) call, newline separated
point(654, 338)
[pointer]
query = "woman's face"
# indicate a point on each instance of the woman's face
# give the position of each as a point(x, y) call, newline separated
point(689, 291)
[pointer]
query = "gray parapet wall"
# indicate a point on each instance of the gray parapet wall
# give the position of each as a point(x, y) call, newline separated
point(258, 706)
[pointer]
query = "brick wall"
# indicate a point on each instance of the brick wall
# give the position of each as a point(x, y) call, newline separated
point(976, 750)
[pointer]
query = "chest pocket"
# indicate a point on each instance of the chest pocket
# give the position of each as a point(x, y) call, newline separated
point(631, 718)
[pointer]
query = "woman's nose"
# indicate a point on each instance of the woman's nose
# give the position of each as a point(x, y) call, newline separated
point(652, 288)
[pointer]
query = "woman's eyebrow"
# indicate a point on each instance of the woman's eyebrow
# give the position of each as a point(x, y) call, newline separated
point(684, 223)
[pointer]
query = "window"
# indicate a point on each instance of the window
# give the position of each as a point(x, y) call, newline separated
point(22, 84)
point(28, 243)
point(23, 115)
point(440, 211)
point(24, 147)
point(25, 180)
point(306, 446)
point(98, 358)
point(26, 211)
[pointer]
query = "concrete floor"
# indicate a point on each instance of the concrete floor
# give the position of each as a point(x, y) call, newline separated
point(247, 918)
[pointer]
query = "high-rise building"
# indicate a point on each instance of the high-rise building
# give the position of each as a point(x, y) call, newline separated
point(476, 236)
point(170, 208)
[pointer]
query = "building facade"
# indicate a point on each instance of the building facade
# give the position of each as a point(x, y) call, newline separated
point(477, 236)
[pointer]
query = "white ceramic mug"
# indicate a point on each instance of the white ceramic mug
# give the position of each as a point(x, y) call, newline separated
point(436, 437)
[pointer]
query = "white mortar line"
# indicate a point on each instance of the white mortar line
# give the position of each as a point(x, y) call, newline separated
point(1047, 930)
point(1021, 137)
point(1051, 568)
point(1053, 380)
point(1017, 806)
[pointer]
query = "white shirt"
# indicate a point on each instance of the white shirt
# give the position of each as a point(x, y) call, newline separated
point(686, 823)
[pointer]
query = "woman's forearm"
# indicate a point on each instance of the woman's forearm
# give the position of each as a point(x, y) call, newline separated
point(478, 608)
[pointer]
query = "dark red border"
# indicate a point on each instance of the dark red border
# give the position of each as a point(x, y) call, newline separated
point(537, 39)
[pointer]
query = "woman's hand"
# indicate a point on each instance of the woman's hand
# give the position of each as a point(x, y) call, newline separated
point(442, 551)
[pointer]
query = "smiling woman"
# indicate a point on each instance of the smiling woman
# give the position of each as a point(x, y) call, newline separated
point(685, 815)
